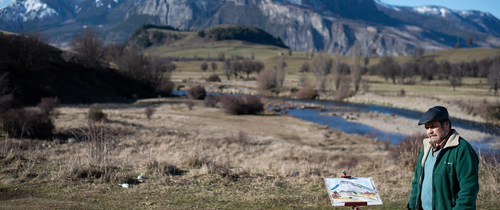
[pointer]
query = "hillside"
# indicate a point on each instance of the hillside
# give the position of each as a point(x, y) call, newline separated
point(36, 70)
point(307, 25)
point(188, 44)
point(152, 36)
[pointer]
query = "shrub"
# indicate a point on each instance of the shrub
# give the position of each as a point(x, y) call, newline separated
point(165, 88)
point(101, 140)
point(189, 104)
point(365, 85)
point(402, 92)
point(211, 101)
point(406, 152)
point(213, 78)
point(204, 66)
point(342, 93)
point(96, 114)
point(201, 33)
point(47, 105)
point(266, 80)
point(222, 168)
point(8, 102)
point(194, 158)
point(32, 123)
point(90, 47)
point(149, 111)
point(197, 92)
point(307, 93)
point(305, 67)
point(238, 105)
point(163, 168)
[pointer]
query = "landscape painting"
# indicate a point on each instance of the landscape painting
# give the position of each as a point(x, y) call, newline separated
point(361, 191)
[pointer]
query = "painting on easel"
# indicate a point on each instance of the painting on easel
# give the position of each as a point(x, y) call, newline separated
point(352, 191)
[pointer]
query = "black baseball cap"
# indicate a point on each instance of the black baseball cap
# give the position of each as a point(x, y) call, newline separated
point(437, 113)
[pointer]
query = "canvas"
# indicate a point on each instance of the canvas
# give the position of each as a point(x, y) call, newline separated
point(352, 191)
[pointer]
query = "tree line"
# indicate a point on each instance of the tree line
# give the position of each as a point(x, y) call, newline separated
point(430, 69)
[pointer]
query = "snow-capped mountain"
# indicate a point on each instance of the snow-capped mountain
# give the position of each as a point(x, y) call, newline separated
point(441, 16)
point(28, 10)
point(310, 25)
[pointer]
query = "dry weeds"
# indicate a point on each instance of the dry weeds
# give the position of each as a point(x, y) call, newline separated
point(198, 158)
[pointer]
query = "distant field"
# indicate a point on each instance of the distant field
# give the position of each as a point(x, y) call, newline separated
point(472, 89)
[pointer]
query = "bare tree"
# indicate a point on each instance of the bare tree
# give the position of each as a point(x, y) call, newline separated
point(408, 70)
point(236, 68)
point(24, 52)
point(227, 69)
point(7, 100)
point(444, 69)
point(214, 67)
point(427, 68)
point(266, 79)
point(133, 63)
point(221, 56)
point(388, 68)
point(280, 71)
point(366, 61)
point(258, 66)
point(336, 70)
point(114, 51)
point(246, 67)
point(355, 68)
point(417, 54)
point(455, 75)
point(252, 66)
point(321, 68)
point(470, 41)
point(160, 70)
point(494, 76)
point(152, 70)
point(373, 52)
point(90, 48)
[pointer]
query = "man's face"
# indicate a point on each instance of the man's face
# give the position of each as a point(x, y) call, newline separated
point(437, 131)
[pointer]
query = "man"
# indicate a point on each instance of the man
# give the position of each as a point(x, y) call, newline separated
point(446, 176)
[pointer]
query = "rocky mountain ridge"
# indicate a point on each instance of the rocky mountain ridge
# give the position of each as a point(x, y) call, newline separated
point(303, 25)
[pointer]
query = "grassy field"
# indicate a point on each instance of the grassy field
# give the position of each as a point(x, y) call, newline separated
point(196, 157)
point(472, 89)
point(201, 158)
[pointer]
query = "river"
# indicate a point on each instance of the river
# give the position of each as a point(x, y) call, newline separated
point(339, 123)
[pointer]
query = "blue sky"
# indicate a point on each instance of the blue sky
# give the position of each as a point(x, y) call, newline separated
point(492, 6)
point(4, 2)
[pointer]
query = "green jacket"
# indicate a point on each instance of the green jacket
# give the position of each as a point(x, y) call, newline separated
point(455, 183)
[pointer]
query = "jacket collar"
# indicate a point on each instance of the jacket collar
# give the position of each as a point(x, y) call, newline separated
point(453, 141)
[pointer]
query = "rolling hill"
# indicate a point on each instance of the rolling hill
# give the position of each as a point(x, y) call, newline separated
point(36, 70)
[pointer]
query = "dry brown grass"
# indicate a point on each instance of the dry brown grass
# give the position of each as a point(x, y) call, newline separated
point(200, 158)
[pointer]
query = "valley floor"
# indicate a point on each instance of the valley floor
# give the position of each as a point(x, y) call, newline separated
point(195, 157)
